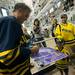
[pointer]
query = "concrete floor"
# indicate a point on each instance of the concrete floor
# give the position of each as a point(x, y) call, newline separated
point(56, 72)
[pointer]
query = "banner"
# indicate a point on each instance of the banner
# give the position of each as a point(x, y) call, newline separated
point(47, 56)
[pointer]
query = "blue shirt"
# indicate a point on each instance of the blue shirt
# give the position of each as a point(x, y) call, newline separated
point(11, 34)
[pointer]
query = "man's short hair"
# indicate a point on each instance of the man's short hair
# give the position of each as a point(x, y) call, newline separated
point(21, 6)
point(64, 15)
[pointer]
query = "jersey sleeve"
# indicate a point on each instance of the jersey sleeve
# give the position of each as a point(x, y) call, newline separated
point(73, 29)
point(57, 31)
point(9, 34)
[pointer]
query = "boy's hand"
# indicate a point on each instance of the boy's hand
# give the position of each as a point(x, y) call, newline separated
point(34, 49)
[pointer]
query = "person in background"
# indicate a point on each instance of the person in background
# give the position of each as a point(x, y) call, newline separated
point(46, 33)
point(25, 32)
point(54, 25)
point(38, 32)
point(14, 51)
point(67, 35)
point(32, 36)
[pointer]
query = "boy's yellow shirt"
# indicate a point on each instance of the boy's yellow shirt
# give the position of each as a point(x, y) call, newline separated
point(61, 62)
point(67, 31)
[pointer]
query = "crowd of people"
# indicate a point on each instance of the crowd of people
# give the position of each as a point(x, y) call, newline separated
point(16, 44)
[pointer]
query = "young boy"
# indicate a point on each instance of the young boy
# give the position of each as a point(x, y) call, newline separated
point(62, 65)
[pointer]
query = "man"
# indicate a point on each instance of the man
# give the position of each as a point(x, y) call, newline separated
point(14, 51)
point(53, 25)
point(67, 30)
point(66, 33)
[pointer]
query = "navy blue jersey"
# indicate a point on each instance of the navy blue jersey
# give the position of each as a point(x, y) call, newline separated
point(10, 33)
point(14, 48)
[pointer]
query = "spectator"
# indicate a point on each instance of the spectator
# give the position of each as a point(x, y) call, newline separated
point(38, 32)
point(32, 36)
point(46, 33)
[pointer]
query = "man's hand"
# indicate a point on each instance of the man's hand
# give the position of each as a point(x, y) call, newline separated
point(34, 49)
